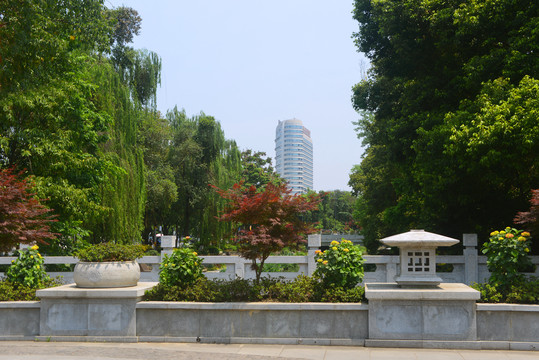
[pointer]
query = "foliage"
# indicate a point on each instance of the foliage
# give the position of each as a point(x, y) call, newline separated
point(110, 252)
point(448, 114)
point(10, 291)
point(301, 289)
point(28, 269)
point(23, 219)
point(200, 155)
point(521, 292)
point(335, 212)
point(269, 219)
point(181, 268)
point(507, 255)
point(69, 119)
point(257, 170)
point(341, 265)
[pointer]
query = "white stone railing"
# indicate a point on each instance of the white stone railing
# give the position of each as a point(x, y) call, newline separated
point(467, 268)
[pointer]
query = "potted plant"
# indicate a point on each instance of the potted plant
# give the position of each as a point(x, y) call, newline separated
point(108, 265)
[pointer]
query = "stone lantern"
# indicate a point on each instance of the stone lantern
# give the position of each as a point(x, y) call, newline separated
point(420, 306)
point(418, 256)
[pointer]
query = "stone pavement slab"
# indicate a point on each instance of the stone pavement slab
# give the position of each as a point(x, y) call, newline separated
point(29, 350)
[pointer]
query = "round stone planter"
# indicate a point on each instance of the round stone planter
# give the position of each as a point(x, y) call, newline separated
point(107, 274)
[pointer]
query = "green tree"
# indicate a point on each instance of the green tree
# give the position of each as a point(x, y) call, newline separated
point(257, 169)
point(440, 114)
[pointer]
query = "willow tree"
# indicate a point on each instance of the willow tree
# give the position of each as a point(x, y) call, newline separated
point(200, 155)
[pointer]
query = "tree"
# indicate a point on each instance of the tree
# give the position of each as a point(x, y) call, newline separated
point(269, 220)
point(257, 169)
point(23, 219)
point(447, 114)
point(531, 219)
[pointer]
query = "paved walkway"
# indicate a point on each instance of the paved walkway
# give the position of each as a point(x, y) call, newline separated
point(27, 350)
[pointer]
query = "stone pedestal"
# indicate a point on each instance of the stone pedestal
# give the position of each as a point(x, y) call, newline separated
point(445, 312)
point(71, 311)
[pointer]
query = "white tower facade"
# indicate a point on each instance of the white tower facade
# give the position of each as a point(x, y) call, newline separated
point(294, 155)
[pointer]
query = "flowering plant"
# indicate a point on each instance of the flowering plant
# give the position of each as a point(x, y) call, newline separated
point(507, 254)
point(341, 265)
point(28, 268)
point(181, 268)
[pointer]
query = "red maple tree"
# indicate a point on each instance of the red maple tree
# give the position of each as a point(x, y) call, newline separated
point(23, 219)
point(531, 219)
point(269, 220)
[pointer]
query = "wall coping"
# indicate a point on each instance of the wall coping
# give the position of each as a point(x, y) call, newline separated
point(260, 306)
point(20, 304)
point(72, 291)
point(507, 307)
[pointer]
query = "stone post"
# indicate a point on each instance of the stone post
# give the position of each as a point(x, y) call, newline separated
point(470, 258)
point(314, 242)
point(168, 244)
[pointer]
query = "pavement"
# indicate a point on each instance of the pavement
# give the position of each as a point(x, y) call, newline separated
point(28, 350)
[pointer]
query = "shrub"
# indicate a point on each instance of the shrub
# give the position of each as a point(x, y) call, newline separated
point(507, 255)
point(341, 265)
point(301, 289)
point(181, 268)
point(28, 269)
point(110, 252)
point(523, 292)
point(10, 291)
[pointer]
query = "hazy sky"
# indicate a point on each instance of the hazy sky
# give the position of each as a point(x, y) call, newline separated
point(251, 63)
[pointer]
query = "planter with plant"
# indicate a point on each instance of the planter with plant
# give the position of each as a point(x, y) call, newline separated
point(108, 265)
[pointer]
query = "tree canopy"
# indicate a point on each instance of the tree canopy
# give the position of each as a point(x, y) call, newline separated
point(448, 113)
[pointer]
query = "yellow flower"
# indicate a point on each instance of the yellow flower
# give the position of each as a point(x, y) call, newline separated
point(500, 238)
point(31, 256)
point(319, 260)
point(318, 252)
point(527, 250)
point(38, 254)
point(71, 37)
point(12, 261)
point(509, 236)
point(37, 266)
point(166, 265)
point(334, 248)
point(194, 253)
point(325, 262)
point(196, 263)
point(346, 250)
point(494, 233)
point(525, 233)
point(508, 228)
point(502, 232)
point(35, 247)
point(334, 242)
point(521, 238)
point(171, 264)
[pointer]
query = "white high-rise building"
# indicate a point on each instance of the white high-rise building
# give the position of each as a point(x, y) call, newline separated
point(294, 155)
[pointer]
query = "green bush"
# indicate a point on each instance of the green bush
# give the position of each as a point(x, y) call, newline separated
point(522, 292)
point(507, 255)
point(110, 252)
point(301, 289)
point(341, 265)
point(10, 291)
point(181, 268)
point(28, 269)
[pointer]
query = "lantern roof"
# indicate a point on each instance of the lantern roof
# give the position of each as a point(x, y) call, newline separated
point(419, 238)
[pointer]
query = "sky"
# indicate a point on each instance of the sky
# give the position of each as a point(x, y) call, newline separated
point(252, 63)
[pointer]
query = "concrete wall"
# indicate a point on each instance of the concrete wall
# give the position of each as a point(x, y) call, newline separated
point(310, 323)
point(19, 320)
point(508, 322)
point(499, 326)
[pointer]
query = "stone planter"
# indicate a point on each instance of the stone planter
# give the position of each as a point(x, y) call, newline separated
point(107, 274)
